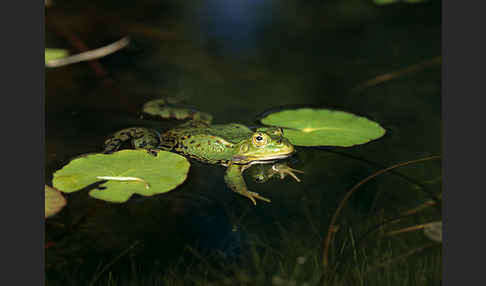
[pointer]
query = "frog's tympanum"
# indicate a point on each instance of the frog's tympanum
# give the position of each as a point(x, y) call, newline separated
point(232, 145)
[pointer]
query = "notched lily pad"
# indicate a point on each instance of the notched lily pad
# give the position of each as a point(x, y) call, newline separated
point(54, 201)
point(127, 172)
point(53, 54)
point(324, 127)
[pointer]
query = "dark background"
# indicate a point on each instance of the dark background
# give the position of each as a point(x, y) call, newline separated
point(236, 61)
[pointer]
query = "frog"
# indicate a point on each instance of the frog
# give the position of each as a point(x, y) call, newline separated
point(231, 145)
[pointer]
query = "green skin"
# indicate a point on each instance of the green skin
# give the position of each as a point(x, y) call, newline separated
point(233, 145)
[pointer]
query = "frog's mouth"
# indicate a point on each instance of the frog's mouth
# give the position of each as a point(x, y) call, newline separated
point(247, 160)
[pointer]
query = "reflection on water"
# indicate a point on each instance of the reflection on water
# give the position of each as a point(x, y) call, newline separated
point(235, 60)
point(234, 25)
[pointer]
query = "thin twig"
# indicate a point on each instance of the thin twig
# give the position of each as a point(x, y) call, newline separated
point(89, 55)
point(391, 75)
point(418, 184)
point(332, 226)
point(410, 228)
point(80, 46)
point(421, 207)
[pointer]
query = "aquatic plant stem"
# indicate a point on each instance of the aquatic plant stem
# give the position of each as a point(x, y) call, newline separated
point(89, 55)
point(412, 181)
point(401, 257)
point(410, 228)
point(109, 264)
point(333, 228)
point(391, 75)
point(79, 45)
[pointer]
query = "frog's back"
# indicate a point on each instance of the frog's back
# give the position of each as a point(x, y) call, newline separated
point(208, 143)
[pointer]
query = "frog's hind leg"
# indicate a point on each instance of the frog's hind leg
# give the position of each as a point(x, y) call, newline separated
point(135, 137)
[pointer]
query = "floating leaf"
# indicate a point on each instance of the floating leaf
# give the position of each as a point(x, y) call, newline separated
point(53, 54)
point(433, 231)
point(127, 172)
point(54, 201)
point(323, 127)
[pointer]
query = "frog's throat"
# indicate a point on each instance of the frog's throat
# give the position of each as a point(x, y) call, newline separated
point(248, 160)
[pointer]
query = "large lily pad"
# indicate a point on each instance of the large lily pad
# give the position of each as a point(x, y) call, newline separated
point(128, 172)
point(54, 201)
point(324, 127)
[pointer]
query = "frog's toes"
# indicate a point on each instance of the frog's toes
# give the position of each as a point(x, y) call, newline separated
point(284, 170)
point(252, 196)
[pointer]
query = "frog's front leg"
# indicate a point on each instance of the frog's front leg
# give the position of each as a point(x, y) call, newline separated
point(283, 169)
point(261, 173)
point(234, 180)
point(136, 137)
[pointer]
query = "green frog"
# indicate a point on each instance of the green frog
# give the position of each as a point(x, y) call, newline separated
point(232, 145)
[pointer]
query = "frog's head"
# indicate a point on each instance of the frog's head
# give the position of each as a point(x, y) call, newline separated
point(265, 145)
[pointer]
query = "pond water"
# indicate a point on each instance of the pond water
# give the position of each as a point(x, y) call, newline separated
point(236, 60)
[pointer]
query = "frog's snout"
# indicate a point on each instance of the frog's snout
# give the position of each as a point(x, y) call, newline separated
point(285, 146)
point(290, 148)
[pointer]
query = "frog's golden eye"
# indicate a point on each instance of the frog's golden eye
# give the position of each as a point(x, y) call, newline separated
point(259, 139)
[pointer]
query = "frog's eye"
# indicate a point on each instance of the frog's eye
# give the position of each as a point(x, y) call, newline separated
point(259, 139)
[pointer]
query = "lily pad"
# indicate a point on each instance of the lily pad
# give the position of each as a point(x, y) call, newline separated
point(127, 172)
point(54, 201)
point(324, 127)
point(53, 54)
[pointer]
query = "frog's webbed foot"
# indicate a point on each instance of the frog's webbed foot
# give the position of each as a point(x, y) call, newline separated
point(234, 180)
point(264, 172)
point(135, 137)
point(252, 196)
point(282, 169)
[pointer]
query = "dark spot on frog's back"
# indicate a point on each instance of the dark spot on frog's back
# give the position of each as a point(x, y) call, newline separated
point(192, 142)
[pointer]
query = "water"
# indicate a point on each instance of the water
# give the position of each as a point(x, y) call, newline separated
point(236, 60)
